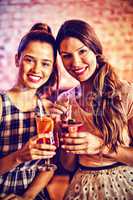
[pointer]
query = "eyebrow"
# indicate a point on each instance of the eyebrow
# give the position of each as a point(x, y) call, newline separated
point(75, 50)
point(34, 58)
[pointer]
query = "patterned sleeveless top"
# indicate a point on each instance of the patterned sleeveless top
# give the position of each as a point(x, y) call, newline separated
point(16, 128)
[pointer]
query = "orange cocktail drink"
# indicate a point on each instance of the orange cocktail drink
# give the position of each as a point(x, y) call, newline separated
point(45, 128)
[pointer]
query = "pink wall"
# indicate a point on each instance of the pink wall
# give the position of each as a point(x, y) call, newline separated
point(112, 20)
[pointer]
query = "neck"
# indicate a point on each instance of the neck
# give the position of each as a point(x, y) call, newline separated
point(86, 90)
point(24, 91)
point(86, 86)
point(24, 99)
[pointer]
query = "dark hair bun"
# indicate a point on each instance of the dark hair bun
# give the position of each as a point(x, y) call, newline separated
point(41, 27)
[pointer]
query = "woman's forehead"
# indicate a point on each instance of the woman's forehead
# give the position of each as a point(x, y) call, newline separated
point(71, 43)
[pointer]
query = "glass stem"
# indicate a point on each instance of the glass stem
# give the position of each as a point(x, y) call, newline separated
point(47, 161)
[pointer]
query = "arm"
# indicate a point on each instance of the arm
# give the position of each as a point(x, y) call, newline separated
point(123, 154)
point(42, 180)
point(30, 151)
point(77, 143)
point(11, 160)
point(67, 160)
point(38, 184)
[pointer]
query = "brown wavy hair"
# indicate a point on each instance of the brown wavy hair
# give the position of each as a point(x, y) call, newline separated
point(107, 109)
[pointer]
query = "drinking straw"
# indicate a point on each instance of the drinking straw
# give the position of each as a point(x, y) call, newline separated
point(69, 109)
point(40, 108)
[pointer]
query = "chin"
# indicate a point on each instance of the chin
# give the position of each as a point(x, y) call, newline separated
point(36, 85)
point(83, 79)
point(33, 86)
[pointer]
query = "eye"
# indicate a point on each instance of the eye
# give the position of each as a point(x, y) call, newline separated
point(66, 56)
point(46, 64)
point(83, 51)
point(29, 60)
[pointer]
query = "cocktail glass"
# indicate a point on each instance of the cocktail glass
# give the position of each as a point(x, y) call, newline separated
point(70, 126)
point(45, 132)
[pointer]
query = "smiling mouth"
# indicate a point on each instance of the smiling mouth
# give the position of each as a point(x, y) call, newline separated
point(79, 71)
point(34, 78)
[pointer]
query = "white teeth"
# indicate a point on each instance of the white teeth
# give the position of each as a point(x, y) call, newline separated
point(36, 78)
point(80, 70)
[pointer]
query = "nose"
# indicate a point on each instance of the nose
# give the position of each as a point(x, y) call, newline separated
point(76, 60)
point(37, 67)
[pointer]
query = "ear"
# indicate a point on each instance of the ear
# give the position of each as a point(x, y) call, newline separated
point(16, 60)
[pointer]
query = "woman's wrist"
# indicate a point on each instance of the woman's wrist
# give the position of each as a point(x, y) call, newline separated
point(105, 151)
point(28, 197)
point(30, 194)
point(108, 153)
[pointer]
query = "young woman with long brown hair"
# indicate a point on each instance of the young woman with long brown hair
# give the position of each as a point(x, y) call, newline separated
point(101, 151)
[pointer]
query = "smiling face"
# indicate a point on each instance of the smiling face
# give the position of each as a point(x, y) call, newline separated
point(78, 59)
point(35, 64)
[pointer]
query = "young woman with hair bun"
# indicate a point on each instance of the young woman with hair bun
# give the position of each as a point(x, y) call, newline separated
point(20, 154)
